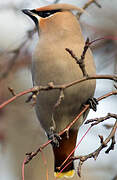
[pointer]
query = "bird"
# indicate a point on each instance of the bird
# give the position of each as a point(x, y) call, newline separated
point(58, 29)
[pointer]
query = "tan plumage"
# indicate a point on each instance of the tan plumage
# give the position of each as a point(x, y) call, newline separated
point(51, 63)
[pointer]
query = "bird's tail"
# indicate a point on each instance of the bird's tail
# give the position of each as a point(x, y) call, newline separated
point(62, 152)
point(68, 174)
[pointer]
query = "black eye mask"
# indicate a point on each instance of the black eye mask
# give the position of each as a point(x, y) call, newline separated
point(45, 14)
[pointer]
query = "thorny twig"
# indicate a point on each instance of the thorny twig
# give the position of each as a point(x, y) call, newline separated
point(103, 142)
point(91, 2)
point(80, 61)
point(101, 119)
point(51, 86)
point(111, 147)
point(31, 155)
point(37, 89)
point(86, 5)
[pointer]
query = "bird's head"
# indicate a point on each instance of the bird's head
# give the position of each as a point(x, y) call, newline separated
point(51, 14)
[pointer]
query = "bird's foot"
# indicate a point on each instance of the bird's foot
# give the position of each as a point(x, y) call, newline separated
point(93, 102)
point(55, 139)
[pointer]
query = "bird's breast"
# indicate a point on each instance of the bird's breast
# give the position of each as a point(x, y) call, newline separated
point(53, 64)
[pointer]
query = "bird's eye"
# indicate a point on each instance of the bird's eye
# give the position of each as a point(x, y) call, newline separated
point(45, 14)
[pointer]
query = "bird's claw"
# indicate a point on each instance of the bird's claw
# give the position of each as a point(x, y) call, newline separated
point(55, 139)
point(93, 102)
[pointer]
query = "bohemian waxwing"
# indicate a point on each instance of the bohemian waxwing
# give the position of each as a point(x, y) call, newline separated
point(59, 29)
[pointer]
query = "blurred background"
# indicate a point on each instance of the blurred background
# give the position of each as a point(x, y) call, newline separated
point(20, 131)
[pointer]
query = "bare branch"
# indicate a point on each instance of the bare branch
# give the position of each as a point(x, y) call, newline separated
point(101, 119)
point(31, 155)
point(111, 147)
point(91, 2)
point(51, 86)
point(81, 60)
point(86, 5)
point(103, 145)
point(35, 90)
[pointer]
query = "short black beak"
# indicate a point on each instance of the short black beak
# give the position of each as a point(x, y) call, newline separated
point(31, 14)
point(27, 12)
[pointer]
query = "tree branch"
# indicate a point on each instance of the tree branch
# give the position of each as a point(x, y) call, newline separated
point(31, 155)
point(103, 142)
point(86, 5)
point(51, 86)
point(82, 58)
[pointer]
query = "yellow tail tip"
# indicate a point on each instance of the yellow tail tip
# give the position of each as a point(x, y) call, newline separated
point(68, 174)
